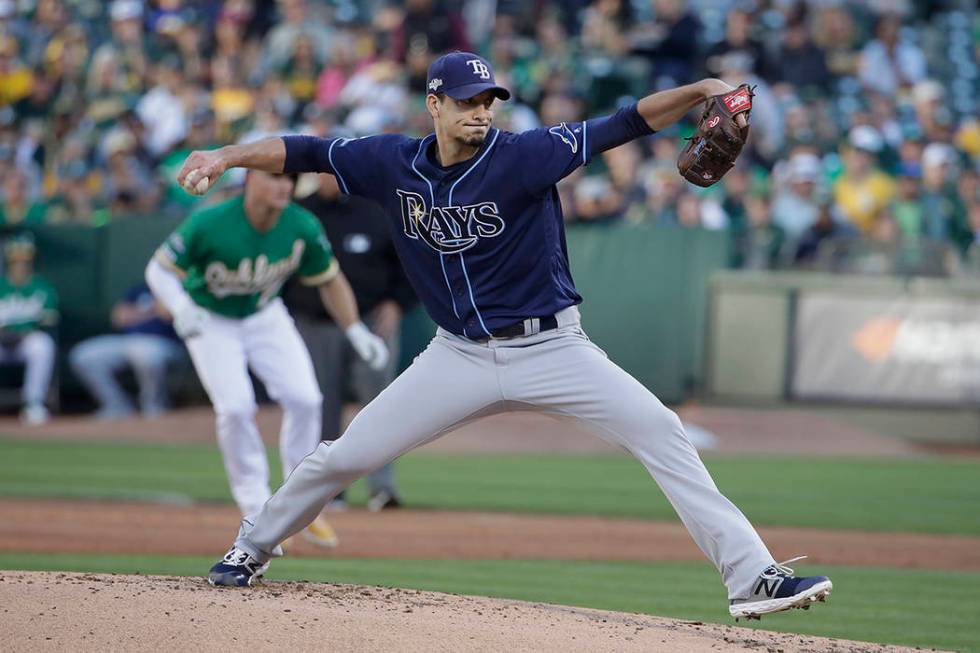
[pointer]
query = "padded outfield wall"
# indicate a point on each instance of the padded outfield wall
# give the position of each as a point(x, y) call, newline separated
point(645, 290)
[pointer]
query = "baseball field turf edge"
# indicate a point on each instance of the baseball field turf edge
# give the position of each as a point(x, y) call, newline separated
point(925, 495)
point(911, 607)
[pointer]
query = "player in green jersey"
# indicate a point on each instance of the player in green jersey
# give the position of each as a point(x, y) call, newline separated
point(219, 274)
point(28, 306)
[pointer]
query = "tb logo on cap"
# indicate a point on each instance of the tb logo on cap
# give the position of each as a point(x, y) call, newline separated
point(479, 68)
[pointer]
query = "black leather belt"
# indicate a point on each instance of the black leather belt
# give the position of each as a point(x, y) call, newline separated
point(526, 327)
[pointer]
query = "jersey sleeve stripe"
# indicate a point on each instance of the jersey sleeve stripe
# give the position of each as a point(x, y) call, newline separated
point(336, 172)
point(166, 261)
point(585, 141)
point(327, 275)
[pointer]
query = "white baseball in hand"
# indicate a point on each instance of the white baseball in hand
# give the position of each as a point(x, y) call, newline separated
point(198, 189)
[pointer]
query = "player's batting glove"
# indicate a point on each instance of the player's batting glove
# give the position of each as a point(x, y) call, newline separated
point(189, 320)
point(368, 346)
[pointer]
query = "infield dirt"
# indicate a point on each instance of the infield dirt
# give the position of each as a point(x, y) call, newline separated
point(52, 611)
point(51, 526)
point(737, 430)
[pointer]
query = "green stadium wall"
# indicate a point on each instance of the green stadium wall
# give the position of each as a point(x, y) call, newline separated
point(645, 290)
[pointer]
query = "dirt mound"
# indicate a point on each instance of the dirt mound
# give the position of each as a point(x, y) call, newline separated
point(88, 612)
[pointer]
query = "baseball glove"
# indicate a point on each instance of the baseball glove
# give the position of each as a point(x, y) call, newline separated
point(718, 140)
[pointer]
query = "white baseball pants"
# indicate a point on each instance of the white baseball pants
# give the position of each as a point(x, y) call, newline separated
point(268, 343)
point(36, 351)
point(559, 371)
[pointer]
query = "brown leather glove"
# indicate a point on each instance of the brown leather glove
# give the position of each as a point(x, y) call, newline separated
point(718, 140)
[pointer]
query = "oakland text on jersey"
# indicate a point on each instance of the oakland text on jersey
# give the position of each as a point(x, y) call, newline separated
point(448, 229)
point(17, 309)
point(261, 276)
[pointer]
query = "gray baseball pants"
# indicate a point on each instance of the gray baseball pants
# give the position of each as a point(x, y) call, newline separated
point(559, 371)
point(341, 372)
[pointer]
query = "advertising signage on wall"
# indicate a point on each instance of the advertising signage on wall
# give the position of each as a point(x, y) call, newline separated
point(908, 350)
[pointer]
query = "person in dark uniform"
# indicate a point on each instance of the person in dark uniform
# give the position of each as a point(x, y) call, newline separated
point(362, 242)
point(145, 341)
point(477, 222)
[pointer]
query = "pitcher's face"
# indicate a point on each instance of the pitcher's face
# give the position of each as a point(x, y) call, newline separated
point(467, 121)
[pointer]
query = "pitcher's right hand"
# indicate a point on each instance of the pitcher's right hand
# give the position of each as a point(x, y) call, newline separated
point(201, 165)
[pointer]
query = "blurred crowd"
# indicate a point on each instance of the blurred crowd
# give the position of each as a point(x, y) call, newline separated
point(863, 156)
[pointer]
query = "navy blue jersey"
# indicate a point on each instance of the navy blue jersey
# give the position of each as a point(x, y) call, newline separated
point(141, 297)
point(482, 241)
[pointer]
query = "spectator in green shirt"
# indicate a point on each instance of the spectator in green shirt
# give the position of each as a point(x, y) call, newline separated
point(908, 204)
point(16, 208)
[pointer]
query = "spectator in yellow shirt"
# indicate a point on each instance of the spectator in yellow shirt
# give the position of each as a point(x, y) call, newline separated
point(16, 79)
point(231, 99)
point(862, 191)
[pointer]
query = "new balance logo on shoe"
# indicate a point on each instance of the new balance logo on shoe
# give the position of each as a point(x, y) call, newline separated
point(769, 584)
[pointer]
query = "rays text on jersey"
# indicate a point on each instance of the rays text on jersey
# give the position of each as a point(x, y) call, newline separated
point(448, 229)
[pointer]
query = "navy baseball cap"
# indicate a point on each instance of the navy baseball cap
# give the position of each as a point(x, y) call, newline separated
point(461, 75)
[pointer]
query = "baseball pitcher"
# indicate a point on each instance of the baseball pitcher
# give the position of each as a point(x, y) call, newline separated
point(479, 229)
point(219, 274)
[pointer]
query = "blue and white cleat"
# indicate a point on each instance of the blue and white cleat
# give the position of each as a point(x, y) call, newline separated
point(778, 589)
point(237, 569)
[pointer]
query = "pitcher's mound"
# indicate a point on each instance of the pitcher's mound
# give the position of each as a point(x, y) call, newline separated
point(56, 611)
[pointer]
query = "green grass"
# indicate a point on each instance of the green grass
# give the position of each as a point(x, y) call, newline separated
point(929, 495)
point(911, 607)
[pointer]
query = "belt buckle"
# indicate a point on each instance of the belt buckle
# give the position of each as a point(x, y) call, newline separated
point(529, 327)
